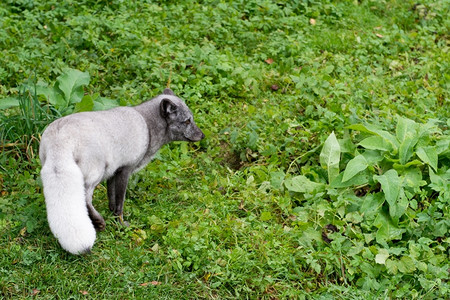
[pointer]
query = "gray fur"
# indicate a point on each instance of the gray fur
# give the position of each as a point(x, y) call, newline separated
point(106, 145)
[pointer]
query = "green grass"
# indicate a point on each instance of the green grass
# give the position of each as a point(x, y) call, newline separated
point(254, 210)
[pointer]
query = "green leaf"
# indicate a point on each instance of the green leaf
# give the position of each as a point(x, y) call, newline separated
point(252, 140)
point(407, 135)
point(372, 203)
point(406, 265)
point(429, 156)
point(329, 69)
point(387, 231)
point(443, 145)
point(276, 179)
point(265, 216)
point(373, 157)
point(441, 228)
point(405, 150)
point(376, 143)
point(102, 103)
point(330, 156)
point(391, 266)
point(390, 184)
point(156, 224)
point(302, 215)
point(362, 178)
point(400, 206)
point(438, 183)
point(412, 177)
point(346, 145)
point(355, 250)
point(309, 235)
point(8, 102)
point(354, 166)
point(31, 225)
point(405, 128)
point(354, 217)
point(52, 95)
point(71, 83)
point(381, 257)
point(372, 129)
point(386, 135)
point(86, 104)
point(359, 127)
point(301, 184)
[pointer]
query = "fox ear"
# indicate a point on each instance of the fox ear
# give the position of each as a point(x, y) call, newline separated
point(167, 108)
point(168, 92)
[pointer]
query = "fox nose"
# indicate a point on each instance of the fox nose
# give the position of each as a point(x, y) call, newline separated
point(199, 134)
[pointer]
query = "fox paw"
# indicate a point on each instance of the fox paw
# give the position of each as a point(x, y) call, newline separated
point(112, 206)
point(99, 224)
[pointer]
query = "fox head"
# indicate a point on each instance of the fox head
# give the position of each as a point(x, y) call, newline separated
point(179, 118)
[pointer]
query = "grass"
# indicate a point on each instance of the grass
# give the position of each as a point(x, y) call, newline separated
point(253, 211)
point(20, 132)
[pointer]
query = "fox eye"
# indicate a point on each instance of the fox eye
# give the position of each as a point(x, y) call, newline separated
point(187, 122)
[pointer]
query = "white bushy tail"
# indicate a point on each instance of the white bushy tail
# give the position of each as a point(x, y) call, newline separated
point(66, 206)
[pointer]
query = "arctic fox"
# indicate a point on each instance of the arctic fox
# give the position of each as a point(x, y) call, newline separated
point(79, 151)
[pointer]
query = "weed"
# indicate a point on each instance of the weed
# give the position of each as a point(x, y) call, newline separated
point(20, 133)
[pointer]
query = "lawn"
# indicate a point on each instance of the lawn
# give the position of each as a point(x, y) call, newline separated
point(325, 171)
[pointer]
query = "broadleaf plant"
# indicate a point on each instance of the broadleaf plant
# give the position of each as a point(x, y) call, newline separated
point(388, 190)
point(67, 95)
point(330, 156)
point(70, 84)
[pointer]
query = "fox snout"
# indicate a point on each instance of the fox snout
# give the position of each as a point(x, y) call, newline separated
point(195, 134)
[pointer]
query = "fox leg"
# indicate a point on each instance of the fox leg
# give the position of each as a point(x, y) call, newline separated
point(117, 186)
point(94, 215)
point(111, 190)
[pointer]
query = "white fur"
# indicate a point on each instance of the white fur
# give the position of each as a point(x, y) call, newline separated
point(66, 208)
